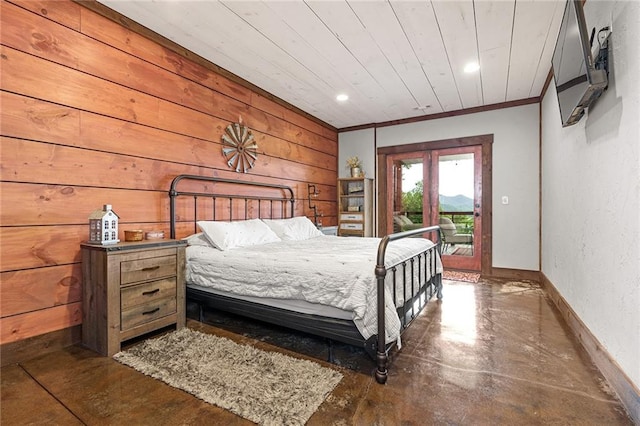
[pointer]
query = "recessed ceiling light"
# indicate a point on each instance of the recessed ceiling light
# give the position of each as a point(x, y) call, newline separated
point(342, 97)
point(422, 108)
point(471, 67)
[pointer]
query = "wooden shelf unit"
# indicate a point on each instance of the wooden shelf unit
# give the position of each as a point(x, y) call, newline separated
point(355, 207)
point(130, 289)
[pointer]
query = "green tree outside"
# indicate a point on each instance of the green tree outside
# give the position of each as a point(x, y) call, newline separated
point(412, 202)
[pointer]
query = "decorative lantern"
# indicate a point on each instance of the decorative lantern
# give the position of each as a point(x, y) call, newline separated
point(103, 226)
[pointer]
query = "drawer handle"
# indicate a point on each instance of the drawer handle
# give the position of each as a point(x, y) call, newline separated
point(150, 292)
point(153, 311)
point(151, 268)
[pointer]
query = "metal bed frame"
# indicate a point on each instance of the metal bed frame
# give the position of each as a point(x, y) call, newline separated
point(333, 329)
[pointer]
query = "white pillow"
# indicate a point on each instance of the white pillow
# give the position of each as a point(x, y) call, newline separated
point(293, 229)
point(198, 239)
point(245, 233)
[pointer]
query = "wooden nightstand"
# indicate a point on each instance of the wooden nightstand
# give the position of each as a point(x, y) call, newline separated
point(130, 289)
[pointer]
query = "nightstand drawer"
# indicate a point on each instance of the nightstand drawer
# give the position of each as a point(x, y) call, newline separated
point(147, 269)
point(147, 292)
point(351, 216)
point(352, 226)
point(147, 312)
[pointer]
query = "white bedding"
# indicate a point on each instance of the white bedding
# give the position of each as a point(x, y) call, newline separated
point(330, 270)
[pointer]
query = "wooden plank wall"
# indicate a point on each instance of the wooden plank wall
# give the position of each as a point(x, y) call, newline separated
point(93, 113)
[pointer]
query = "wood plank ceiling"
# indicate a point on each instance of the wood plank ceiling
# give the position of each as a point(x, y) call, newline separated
point(395, 59)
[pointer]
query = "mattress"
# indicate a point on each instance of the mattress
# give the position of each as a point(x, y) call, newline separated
point(337, 272)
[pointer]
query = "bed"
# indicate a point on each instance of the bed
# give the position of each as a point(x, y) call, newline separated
point(249, 254)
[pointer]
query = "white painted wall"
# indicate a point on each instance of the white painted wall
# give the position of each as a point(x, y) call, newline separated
point(357, 143)
point(591, 198)
point(515, 171)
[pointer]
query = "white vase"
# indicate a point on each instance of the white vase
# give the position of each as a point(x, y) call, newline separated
point(355, 172)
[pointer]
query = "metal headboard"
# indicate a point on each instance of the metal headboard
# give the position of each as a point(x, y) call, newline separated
point(279, 200)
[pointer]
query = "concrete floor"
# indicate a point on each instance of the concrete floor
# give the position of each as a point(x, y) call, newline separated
point(488, 353)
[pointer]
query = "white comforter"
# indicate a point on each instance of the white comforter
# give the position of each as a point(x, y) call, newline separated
point(335, 271)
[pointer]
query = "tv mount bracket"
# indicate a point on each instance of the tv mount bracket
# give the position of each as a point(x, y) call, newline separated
point(601, 61)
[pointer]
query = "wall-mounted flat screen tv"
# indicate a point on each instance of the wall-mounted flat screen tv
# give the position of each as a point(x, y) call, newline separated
point(578, 82)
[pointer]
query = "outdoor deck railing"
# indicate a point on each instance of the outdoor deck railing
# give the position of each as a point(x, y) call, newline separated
point(462, 228)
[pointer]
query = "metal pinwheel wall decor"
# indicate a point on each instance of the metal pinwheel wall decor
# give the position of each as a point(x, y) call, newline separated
point(239, 147)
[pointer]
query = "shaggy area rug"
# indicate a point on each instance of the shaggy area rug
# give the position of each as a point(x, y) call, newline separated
point(267, 388)
point(469, 277)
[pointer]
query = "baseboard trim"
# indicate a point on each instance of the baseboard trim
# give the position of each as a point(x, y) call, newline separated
point(23, 350)
point(513, 274)
point(619, 381)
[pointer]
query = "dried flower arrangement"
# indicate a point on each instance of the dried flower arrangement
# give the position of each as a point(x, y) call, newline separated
point(354, 162)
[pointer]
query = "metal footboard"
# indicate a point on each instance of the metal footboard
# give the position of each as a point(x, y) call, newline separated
point(423, 285)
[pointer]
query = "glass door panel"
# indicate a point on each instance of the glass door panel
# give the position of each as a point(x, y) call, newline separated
point(457, 189)
point(406, 194)
point(455, 198)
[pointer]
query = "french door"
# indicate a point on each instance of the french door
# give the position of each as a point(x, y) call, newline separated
point(456, 188)
point(440, 186)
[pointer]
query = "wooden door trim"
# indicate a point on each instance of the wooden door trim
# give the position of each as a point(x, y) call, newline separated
point(486, 141)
